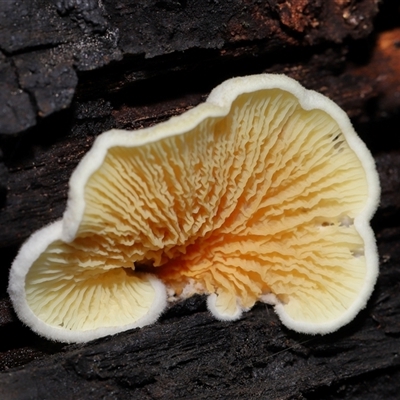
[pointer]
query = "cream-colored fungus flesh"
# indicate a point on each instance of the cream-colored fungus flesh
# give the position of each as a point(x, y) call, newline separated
point(257, 196)
point(78, 288)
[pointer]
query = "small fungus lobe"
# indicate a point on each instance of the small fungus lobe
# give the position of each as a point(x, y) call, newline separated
point(263, 193)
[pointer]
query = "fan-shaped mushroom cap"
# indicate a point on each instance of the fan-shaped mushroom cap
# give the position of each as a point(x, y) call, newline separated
point(264, 192)
point(72, 294)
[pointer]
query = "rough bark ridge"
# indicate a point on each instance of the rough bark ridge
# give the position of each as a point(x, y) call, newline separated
point(71, 69)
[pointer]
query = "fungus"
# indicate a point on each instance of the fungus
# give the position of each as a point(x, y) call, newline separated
point(262, 193)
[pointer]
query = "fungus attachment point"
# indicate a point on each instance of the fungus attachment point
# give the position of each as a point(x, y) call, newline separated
point(263, 193)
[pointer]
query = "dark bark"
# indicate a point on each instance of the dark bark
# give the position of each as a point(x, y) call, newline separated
point(198, 357)
point(39, 63)
point(70, 70)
